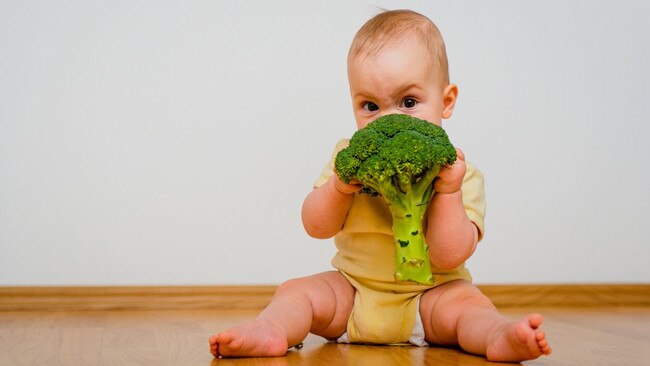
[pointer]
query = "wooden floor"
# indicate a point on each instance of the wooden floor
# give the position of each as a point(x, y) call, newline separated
point(579, 336)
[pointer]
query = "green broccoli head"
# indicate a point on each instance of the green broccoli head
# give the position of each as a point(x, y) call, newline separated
point(393, 155)
point(398, 157)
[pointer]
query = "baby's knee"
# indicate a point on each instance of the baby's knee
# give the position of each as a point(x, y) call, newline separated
point(470, 295)
point(324, 290)
point(309, 286)
point(455, 295)
point(294, 285)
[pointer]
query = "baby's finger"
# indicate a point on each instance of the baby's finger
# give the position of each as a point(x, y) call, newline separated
point(460, 154)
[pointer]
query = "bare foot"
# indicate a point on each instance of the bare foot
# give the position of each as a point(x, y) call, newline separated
point(519, 341)
point(258, 338)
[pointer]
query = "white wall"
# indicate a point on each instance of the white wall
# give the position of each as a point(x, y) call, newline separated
point(147, 142)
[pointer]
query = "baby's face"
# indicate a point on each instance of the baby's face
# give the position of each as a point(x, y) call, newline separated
point(398, 79)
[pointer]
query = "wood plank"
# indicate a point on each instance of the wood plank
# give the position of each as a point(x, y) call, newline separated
point(69, 298)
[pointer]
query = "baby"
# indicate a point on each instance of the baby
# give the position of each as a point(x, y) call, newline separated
point(397, 64)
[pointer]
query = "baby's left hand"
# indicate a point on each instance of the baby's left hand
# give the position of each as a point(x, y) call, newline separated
point(450, 177)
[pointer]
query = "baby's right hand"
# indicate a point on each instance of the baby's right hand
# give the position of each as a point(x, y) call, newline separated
point(346, 188)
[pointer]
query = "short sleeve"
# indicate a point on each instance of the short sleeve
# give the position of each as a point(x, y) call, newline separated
point(474, 198)
point(328, 170)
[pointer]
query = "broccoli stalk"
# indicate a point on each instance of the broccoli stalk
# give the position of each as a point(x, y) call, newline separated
point(398, 157)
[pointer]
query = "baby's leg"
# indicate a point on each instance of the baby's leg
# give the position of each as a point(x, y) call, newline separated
point(457, 313)
point(320, 304)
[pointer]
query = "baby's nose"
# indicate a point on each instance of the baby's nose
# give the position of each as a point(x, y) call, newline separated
point(389, 111)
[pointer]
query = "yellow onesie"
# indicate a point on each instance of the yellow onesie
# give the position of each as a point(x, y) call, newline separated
point(384, 310)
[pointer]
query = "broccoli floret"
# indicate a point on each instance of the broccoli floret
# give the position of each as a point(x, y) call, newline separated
point(398, 157)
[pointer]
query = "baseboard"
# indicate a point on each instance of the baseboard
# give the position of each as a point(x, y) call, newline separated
point(568, 295)
point(56, 298)
point(81, 298)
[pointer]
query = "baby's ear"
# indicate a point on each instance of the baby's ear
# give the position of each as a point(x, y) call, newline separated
point(449, 97)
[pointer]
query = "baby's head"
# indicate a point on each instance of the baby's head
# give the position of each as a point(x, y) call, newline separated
point(398, 64)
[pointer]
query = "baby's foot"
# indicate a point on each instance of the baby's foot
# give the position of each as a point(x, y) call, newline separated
point(519, 341)
point(258, 338)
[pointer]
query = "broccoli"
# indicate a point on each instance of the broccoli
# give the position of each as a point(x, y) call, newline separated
point(398, 157)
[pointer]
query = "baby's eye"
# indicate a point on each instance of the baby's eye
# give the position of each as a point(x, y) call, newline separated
point(409, 103)
point(370, 107)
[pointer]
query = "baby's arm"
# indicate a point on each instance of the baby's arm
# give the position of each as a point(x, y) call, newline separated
point(326, 207)
point(454, 237)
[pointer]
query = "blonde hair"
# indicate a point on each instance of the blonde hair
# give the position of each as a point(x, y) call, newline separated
point(390, 27)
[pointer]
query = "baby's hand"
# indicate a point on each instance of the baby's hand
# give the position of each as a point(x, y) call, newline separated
point(450, 177)
point(346, 188)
